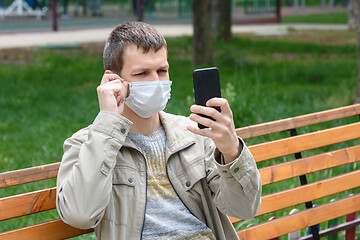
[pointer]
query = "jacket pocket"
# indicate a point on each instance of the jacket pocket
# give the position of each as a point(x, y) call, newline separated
point(123, 199)
point(193, 173)
point(124, 176)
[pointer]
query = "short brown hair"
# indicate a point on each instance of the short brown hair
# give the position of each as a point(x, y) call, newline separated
point(138, 33)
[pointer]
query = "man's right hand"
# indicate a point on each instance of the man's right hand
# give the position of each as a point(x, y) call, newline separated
point(112, 92)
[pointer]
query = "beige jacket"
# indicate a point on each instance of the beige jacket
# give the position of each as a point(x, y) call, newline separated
point(102, 179)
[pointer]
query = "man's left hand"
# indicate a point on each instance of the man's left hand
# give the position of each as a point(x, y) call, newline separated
point(221, 131)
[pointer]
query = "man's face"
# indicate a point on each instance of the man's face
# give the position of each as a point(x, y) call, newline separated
point(140, 67)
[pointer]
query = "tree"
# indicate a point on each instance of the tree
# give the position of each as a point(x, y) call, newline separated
point(351, 20)
point(222, 20)
point(355, 6)
point(202, 32)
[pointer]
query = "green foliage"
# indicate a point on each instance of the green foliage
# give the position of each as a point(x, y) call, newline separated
point(44, 101)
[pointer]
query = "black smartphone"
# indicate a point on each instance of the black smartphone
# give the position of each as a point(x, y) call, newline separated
point(206, 86)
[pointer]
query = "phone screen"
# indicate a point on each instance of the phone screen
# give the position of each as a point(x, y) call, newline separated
point(206, 86)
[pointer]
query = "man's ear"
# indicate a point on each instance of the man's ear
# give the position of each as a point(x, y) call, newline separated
point(108, 72)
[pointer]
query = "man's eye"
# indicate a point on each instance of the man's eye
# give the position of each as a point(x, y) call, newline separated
point(162, 71)
point(139, 74)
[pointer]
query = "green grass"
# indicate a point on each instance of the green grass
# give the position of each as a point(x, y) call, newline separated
point(312, 3)
point(45, 100)
point(321, 18)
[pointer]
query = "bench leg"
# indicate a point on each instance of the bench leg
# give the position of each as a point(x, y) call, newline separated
point(351, 232)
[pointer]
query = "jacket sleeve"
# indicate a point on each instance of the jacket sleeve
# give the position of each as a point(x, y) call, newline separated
point(84, 179)
point(236, 186)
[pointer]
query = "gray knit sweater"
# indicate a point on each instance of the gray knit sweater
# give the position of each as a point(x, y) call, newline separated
point(166, 216)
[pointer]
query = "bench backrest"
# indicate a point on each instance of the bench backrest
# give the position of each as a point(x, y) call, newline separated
point(44, 200)
point(347, 178)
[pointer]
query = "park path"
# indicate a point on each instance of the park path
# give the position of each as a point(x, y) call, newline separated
point(67, 37)
point(36, 39)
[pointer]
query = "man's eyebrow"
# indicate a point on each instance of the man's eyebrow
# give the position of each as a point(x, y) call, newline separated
point(144, 69)
point(165, 65)
point(140, 69)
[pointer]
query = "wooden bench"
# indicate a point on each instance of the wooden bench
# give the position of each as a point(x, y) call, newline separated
point(274, 163)
point(322, 186)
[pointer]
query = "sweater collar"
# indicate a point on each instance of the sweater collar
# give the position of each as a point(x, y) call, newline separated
point(177, 136)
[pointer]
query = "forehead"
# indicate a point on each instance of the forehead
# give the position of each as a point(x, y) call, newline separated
point(134, 57)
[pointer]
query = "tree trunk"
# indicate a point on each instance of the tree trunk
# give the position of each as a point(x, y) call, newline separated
point(351, 20)
point(356, 11)
point(222, 20)
point(202, 37)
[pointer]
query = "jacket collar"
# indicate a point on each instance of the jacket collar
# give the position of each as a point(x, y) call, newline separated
point(177, 136)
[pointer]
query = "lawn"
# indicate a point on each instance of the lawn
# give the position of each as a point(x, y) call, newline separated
point(45, 95)
point(321, 18)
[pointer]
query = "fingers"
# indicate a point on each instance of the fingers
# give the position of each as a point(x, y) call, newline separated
point(211, 112)
point(127, 88)
point(114, 89)
point(203, 132)
point(221, 131)
point(108, 77)
point(112, 92)
point(222, 121)
point(219, 102)
point(208, 111)
point(204, 121)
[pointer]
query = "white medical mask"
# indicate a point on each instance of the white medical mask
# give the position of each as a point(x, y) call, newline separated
point(148, 98)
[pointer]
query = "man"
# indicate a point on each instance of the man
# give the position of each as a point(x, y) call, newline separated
point(140, 173)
